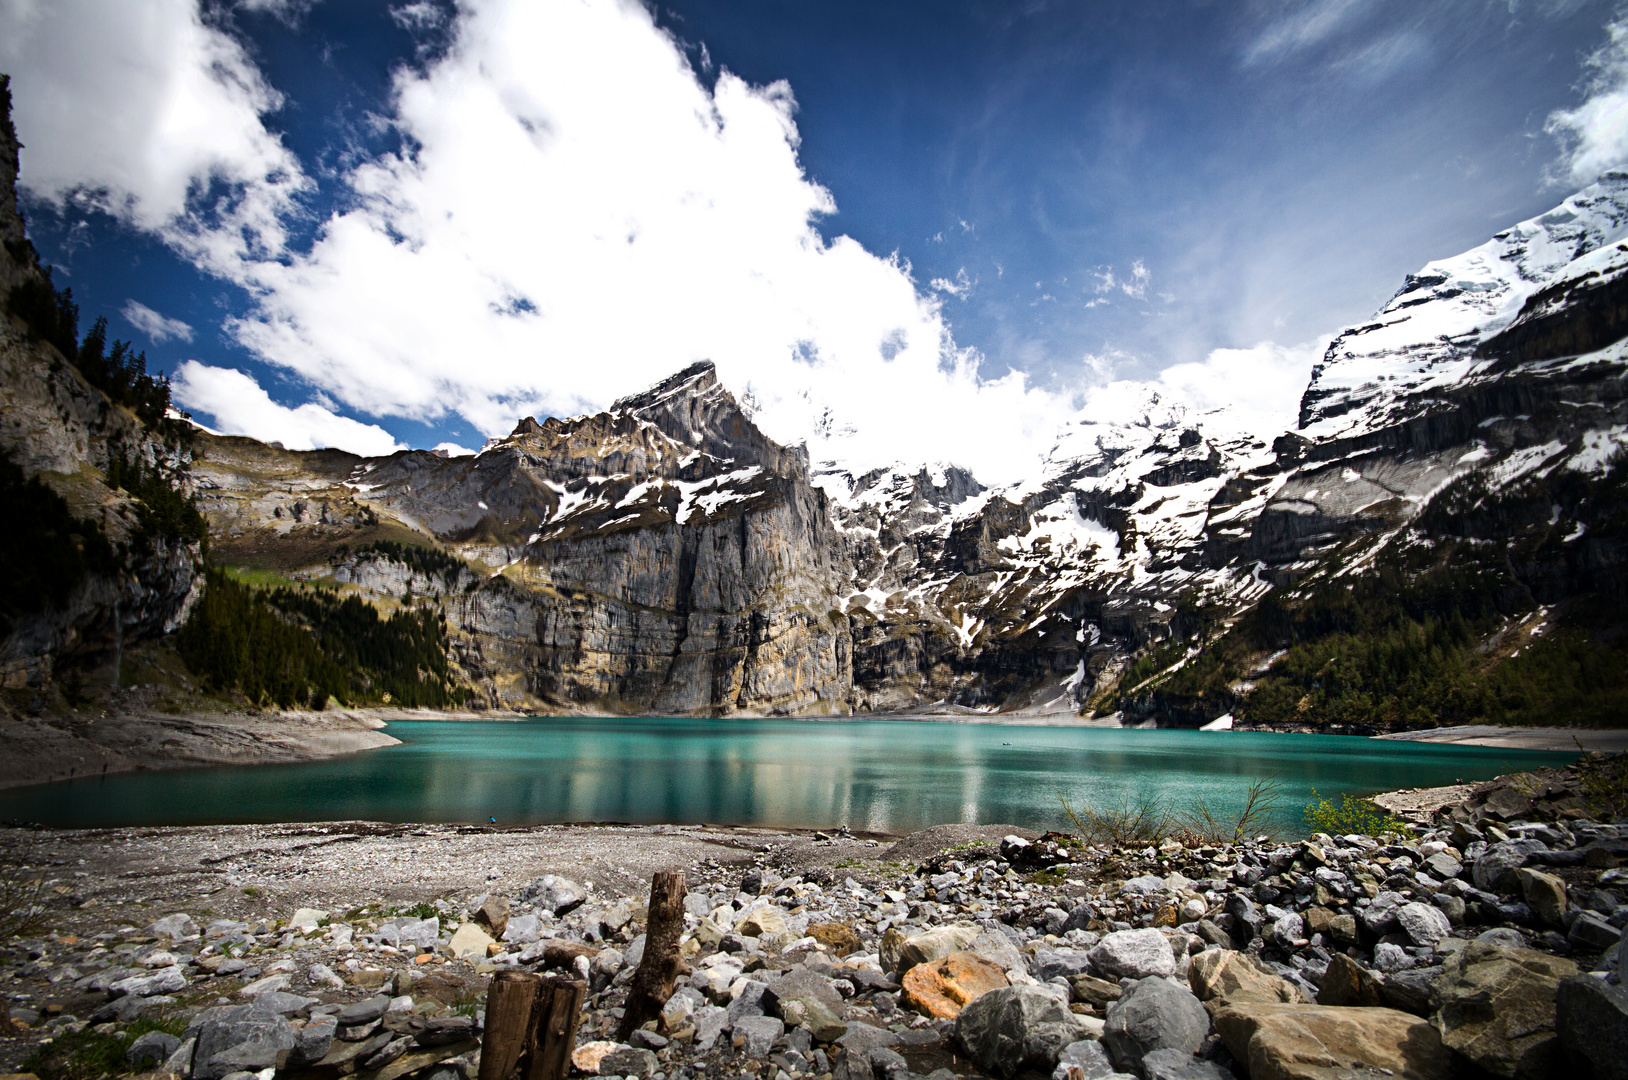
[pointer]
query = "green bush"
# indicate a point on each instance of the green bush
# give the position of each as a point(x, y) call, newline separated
point(1359, 817)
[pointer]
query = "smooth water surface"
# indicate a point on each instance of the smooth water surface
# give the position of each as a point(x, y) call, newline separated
point(883, 775)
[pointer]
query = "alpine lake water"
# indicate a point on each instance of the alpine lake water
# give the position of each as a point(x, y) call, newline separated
point(892, 776)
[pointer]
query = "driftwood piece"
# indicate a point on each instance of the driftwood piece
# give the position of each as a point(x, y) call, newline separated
point(510, 1002)
point(658, 970)
point(559, 1010)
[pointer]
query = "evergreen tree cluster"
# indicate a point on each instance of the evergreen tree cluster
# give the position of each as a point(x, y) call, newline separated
point(1414, 642)
point(118, 371)
point(45, 552)
point(302, 647)
point(165, 510)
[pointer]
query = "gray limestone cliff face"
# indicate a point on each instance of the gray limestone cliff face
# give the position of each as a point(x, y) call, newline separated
point(58, 428)
point(661, 557)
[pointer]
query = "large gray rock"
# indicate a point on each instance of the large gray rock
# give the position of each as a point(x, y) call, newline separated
point(1015, 1028)
point(759, 1033)
point(1495, 870)
point(1424, 924)
point(1153, 1014)
point(1380, 915)
point(313, 1041)
point(151, 1048)
point(1589, 933)
point(1442, 866)
point(1591, 1018)
point(163, 981)
point(710, 1021)
point(406, 930)
point(242, 1038)
point(1049, 965)
point(803, 998)
point(628, 1061)
point(999, 950)
point(1496, 1007)
point(1134, 954)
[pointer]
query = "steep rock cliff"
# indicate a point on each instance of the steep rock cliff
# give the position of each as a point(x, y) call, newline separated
point(56, 427)
point(662, 556)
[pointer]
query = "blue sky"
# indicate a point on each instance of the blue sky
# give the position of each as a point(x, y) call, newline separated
point(391, 224)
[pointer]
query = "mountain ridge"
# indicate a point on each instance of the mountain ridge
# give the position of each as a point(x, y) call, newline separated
point(664, 555)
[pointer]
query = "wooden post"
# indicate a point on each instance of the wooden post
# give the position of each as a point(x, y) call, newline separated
point(658, 970)
point(510, 1002)
point(559, 1010)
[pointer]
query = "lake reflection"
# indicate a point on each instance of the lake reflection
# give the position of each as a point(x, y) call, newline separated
point(888, 776)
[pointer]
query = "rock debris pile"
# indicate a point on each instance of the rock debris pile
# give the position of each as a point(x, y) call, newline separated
point(1489, 943)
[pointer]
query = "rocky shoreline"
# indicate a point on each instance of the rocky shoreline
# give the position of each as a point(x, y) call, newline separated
point(1487, 936)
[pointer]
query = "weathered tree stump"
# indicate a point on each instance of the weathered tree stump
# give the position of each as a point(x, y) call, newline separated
point(510, 1002)
point(559, 1010)
point(531, 1026)
point(658, 970)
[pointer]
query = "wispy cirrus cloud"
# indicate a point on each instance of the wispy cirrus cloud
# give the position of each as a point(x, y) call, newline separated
point(158, 328)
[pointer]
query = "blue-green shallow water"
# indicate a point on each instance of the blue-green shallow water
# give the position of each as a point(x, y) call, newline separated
point(892, 776)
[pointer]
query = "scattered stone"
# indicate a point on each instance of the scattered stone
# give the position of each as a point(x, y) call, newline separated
point(553, 893)
point(469, 941)
point(1226, 978)
point(1153, 1014)
point(1134, 954)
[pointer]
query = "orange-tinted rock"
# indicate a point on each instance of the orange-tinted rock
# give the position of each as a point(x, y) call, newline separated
point(839, 940)
point(941, 988)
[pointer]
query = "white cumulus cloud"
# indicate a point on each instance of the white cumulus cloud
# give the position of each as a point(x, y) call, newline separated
point(240, 407)
point(1594, 136)
point(580, 217)
point(1253, 391)
point(158, 328)
point(148, 112)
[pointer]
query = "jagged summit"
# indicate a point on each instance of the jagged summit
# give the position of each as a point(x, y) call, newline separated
point(1453, 322)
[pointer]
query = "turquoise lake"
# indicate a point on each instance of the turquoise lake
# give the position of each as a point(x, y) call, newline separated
point(887, 776)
